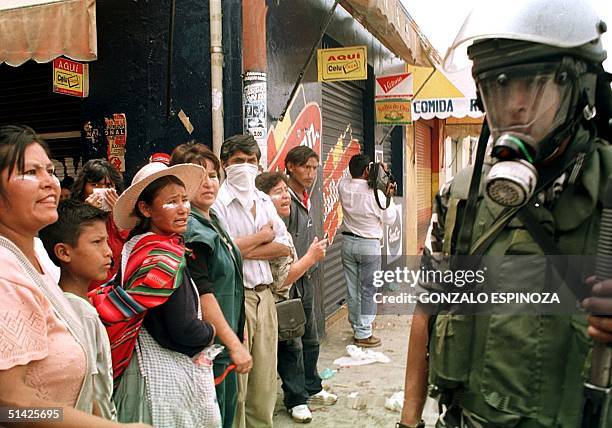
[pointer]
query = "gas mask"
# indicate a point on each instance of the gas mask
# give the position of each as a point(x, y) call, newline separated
point(527, 107)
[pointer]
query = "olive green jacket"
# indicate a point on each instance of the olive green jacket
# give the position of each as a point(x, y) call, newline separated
point(224, 269)
point(517, 369)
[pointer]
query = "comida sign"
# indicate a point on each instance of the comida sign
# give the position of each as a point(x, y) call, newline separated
point(70, 78)
point(342, 64)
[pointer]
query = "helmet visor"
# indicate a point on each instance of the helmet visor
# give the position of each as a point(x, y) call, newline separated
point(528, 100)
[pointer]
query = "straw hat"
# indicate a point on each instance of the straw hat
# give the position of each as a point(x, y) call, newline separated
point(191, 175)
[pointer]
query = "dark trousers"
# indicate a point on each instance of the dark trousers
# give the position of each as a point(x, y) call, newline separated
point(227, 393)
point(297, 358)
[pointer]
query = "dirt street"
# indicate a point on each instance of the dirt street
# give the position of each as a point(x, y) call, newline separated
point(374, 383)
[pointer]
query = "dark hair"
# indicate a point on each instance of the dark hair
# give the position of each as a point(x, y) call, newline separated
point(94, 171)
point(67, 182)
point(147, 195)
point(14, 139)
point(73, 216)
point(299, 156)
point(358, 164)
point(267, 180)
point(194, 152)
point(240, 142)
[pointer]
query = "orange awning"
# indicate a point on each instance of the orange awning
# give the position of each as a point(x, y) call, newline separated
point(45, 29)
point(388, 21)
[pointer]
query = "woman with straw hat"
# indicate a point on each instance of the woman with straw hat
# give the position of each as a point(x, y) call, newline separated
point(155, 313)
point(216, 268)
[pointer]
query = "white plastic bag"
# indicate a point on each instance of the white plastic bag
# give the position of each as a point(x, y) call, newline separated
point(395, 402)
point(359, 357)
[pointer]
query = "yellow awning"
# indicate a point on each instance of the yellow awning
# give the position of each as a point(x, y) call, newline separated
point(45, 29)
point(443, 95)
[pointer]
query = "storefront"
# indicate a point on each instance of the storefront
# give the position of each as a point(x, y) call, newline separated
point(336, 118)
point(446, 123)
point(32, 34)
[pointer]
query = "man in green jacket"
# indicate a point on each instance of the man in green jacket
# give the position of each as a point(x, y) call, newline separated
point(537, 67)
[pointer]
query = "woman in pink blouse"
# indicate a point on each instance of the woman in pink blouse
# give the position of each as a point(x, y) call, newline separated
point(42, 360)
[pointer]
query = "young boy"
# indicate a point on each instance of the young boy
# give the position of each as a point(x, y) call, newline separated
point(77, 243)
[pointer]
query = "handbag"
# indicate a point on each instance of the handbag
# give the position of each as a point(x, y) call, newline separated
point(291, 318)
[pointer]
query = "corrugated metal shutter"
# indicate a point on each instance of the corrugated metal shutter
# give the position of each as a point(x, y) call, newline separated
point(342, 105)
point(27, 98)
point(423, 158)
point(387, 145)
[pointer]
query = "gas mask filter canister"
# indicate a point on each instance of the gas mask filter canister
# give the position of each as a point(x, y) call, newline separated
point(512, 180)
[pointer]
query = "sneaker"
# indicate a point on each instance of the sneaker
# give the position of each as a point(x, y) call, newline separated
point(301, 414)
point(324, 397)
point(370, 342)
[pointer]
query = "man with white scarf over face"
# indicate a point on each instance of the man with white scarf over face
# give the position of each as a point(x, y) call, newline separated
point(251, 220)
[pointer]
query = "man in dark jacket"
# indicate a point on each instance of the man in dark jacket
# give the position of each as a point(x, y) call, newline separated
point(297, 358)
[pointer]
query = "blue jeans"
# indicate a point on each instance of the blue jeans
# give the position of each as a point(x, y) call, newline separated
point(360, 258)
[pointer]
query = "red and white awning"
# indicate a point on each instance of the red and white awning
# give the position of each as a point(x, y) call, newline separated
point(45, 29)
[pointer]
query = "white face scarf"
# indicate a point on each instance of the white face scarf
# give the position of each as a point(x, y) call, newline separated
point(241, 177)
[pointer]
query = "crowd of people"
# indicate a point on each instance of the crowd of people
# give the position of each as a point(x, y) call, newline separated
point(157, 304)
point(161, 297)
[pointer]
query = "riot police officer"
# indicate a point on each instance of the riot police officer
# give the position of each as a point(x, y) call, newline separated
point(538, 69)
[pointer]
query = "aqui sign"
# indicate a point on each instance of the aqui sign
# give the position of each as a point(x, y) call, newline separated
point(70, 78)
point(342, 64)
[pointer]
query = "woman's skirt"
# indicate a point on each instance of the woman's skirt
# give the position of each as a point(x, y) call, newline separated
point(166, 389)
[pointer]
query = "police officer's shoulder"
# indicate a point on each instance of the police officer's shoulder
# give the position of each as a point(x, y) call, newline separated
point(459, 186)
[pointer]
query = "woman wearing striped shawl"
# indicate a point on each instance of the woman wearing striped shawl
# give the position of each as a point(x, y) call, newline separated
point(154, 317)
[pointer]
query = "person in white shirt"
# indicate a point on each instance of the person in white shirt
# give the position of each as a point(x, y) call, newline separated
point(250, 218)
point(362, 232)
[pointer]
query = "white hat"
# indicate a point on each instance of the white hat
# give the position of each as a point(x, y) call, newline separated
point(190, 174)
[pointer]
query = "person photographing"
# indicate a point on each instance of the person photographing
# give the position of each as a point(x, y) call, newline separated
point(362, 230)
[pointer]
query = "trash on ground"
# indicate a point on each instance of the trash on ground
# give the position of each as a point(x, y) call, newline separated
point(359, 357)
point(356, 401)
point(328, 373)
point(395, 402)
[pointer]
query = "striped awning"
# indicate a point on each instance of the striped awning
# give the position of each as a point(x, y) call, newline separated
point(45, 29)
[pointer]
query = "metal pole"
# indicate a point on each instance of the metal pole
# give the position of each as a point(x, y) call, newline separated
point(170, 55)
point(216, 74)
point(598, 391)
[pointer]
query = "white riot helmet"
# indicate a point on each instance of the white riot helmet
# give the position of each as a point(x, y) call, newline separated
point(570, 25)
point(535, 63)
